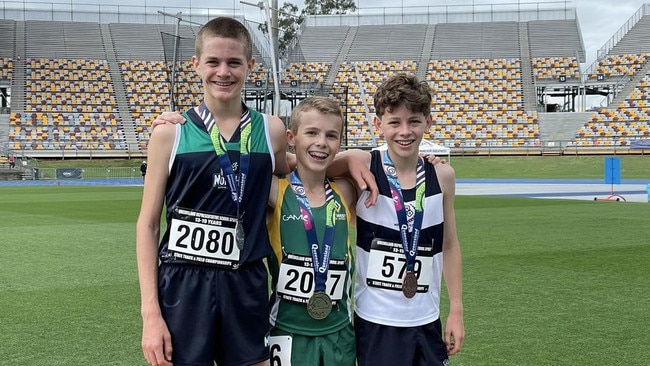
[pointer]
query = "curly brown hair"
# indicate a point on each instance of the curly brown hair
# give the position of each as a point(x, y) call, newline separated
point(403, 89)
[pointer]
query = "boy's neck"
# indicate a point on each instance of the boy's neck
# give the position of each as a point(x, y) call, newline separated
point(226, 116)
point(406, 168)
point(313, 183)
point(224, 111)
point(404, 164)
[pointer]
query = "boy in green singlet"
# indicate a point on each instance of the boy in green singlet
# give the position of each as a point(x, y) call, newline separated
point(309, 223)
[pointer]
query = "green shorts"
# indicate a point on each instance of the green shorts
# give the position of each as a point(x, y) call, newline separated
point(334, 349)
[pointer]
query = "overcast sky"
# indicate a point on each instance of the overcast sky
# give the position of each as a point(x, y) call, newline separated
point(599, 19)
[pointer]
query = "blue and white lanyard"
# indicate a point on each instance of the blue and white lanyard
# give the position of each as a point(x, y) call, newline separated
point(410, 248)
point(320, 260)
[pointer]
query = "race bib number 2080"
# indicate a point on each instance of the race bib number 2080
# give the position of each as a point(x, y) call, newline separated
point(203, 237)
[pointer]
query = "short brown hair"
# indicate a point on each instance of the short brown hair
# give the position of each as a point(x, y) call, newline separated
point(403, 89)
point(224, 27)
point(324, 105)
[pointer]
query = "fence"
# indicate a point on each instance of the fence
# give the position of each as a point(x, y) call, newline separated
point(87, 173)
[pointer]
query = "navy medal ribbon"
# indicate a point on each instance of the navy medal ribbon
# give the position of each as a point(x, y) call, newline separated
point(236, 186)
point(410, 247)
point(320, 259)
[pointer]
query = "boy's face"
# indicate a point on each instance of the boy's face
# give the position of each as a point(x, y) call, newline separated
point(403, 130)
point(223, 68)
point(317, 139)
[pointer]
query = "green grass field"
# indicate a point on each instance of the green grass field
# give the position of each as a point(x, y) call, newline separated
point(546, 282)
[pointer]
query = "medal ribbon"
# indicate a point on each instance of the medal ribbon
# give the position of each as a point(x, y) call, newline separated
point(320, 265)
point(410, 249)
point(236, 190)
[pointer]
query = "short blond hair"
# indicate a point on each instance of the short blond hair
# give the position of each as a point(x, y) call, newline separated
point(324, 105)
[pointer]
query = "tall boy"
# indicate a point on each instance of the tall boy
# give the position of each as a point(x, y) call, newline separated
point(207, 301)
point(407, 241)
point(309, 221)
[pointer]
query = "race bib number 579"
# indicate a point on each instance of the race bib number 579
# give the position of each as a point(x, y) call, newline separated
point(387, 266)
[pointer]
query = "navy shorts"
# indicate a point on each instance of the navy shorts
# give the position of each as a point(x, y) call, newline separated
point(216, 314)
point(380, 345)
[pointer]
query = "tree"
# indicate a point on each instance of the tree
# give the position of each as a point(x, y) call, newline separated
point(289, 23)
point(327, 7)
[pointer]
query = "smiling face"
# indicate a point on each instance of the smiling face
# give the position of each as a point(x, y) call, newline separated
point(316, 140)
point(403, 130)
point(223, 67)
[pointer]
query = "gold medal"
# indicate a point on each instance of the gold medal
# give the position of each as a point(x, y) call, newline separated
point(409, 284)
point(319, 305)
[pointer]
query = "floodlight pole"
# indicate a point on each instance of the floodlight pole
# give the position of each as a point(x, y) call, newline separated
point(172, 104)
point(172, 94)
point(264, 5)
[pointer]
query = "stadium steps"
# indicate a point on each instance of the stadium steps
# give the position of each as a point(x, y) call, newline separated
point(557, 128)
point(527, 76)
point(4, 130)
point(626, 91)
point(340, 58)
point(635, 40)
point(7, 41)
point(128, 125)
point(18, 80)
point(557, 37)
point(425, 56)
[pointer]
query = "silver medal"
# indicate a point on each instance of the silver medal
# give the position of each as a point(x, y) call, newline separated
point(239, 234)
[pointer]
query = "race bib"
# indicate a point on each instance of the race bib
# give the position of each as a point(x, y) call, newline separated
point(296, 279)
point(280, 350)
point(204, 238)
point(387, 265)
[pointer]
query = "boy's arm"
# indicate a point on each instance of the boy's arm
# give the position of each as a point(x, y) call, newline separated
point(156, 339)
point(349, 192)
point(273, 193)
point(452, 262)
point(279, 140)
point(355, 163)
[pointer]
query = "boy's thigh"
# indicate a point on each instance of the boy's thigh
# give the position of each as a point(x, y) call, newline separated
point(216, 315)
point(334, 349)
point(379, 345)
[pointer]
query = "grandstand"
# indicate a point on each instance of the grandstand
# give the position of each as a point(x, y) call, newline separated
point(82, 89)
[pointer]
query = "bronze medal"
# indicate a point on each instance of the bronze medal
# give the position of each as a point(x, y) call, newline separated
point(409, 284)
point(239, 234)
point(319, 305)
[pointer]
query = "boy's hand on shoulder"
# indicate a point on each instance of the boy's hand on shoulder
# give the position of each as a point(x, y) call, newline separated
point(168, 117)
point(432, 159)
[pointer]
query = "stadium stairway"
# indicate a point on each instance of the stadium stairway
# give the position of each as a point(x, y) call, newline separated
point(425, 56)
point(556, 128)
point(4, 130)
point(627, 89)
point(527, 77)
point(340, 58)
point(128, 125)
point(18, 80)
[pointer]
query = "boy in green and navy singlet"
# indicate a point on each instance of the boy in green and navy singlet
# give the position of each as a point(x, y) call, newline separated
point(204, 284)
point(309, 224)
